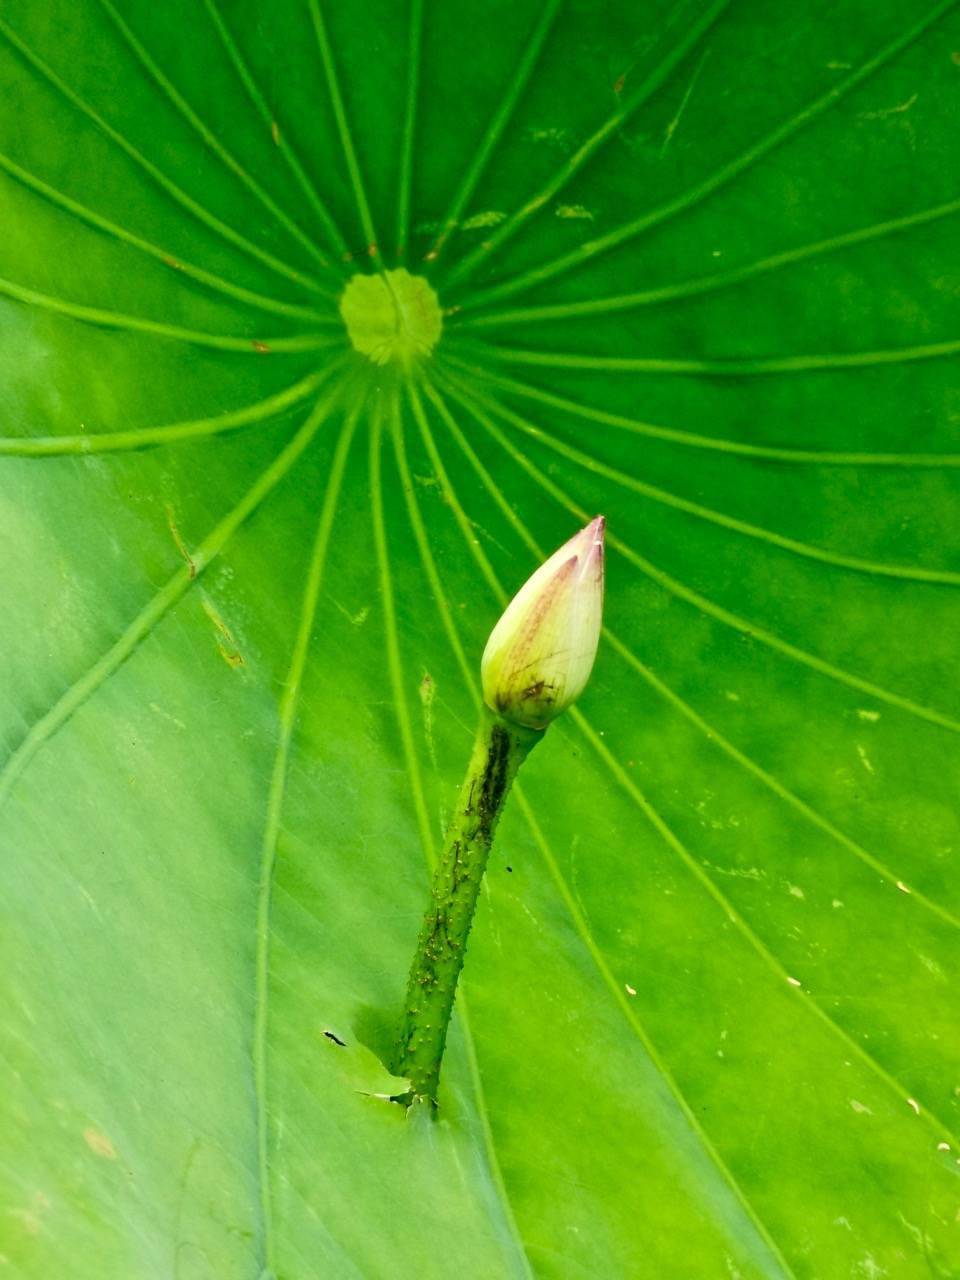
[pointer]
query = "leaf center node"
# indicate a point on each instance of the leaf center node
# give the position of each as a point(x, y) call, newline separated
point(392, 317)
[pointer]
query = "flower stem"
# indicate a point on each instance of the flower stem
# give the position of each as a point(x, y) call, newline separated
point(498, 752)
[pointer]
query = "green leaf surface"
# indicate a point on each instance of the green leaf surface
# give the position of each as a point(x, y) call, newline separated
point(698, 266)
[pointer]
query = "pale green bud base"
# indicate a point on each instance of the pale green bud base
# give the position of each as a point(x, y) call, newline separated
point(498, 753)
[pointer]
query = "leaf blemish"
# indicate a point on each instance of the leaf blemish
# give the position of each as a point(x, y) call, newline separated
point(574, 211)
point(883, 112)
point(165, 715)
point(31, 1219)
point(427, 690)
point(226, 644)
point(99, 1144)
point(488, 218)
point(178, 540)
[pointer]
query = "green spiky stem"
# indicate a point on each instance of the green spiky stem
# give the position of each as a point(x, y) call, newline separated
point(498, 752)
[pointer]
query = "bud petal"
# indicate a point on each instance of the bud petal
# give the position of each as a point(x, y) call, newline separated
point(540, 654)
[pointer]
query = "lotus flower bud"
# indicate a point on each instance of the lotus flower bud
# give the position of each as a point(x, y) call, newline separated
point(540, 654)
